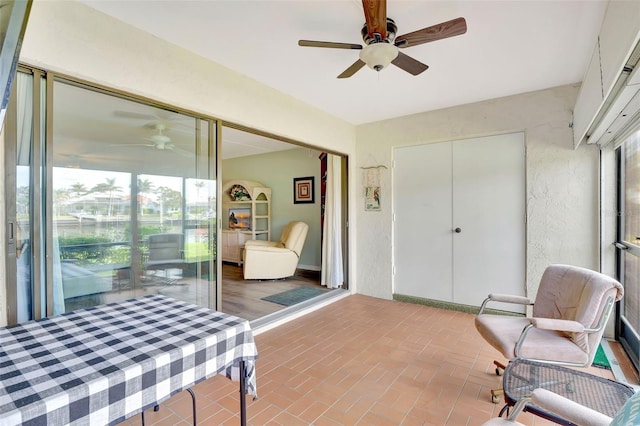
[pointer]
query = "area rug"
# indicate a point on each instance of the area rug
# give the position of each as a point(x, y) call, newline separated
point(294, 296)
point(601, 360)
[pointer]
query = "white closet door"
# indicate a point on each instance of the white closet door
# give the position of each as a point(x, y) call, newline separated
point(489, 209)
point(422, 230)
point(476, 185)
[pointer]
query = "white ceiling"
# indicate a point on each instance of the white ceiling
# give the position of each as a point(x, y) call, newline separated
point(511, 46)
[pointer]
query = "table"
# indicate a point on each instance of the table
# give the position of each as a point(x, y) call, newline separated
point(106, 363)
point(522, 376)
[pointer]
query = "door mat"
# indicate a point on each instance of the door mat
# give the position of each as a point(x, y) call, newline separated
point(294, 296)
point(601, 360)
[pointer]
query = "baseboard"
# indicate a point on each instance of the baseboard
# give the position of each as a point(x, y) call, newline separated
point(310, 267)
point(450, 306)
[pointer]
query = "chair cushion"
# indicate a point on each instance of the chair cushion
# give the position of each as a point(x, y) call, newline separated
point(576, 294)
point(502, 331)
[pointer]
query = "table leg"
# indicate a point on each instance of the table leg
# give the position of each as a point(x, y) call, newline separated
point(193, 404)
point(243, 395)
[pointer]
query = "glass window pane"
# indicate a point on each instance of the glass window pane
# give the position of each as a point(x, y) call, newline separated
point(133, 199)
point(631, 300)
point(24, 293)
point(631, 154)
point(629, 192)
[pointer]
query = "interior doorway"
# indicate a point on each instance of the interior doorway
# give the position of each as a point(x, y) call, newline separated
point(275, 165)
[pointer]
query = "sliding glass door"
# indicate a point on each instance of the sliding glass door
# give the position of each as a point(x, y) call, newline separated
point(125, 205)
point(628, 245)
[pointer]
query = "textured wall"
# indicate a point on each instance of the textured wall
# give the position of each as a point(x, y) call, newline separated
point(562, 183)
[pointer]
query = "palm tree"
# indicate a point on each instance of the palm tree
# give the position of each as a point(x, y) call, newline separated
point(78, 189)
point(144, 186)
point(60, 195)
point(110, 187)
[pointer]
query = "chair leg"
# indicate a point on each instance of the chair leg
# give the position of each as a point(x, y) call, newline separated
point(497, 393)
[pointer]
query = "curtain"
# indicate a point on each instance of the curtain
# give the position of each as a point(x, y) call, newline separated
point(24, 91)
point(25, 219)
point(332, 267)
point(58, 294)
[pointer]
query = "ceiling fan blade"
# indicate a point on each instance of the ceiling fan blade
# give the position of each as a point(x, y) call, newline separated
point(409, 64)
point(435, 32)
point(352, 69)
point(375, 14)
point(134, 115)
point(330, 44)
point(180, 151)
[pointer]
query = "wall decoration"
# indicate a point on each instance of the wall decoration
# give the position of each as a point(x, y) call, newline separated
point(372, 198)
point(303, 190)
point(239, 193)
point(371, 182)
point(240, 218)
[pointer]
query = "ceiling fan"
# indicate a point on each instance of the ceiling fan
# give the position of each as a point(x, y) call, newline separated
point(381, 44)
point(171, 120)
point(162, 142)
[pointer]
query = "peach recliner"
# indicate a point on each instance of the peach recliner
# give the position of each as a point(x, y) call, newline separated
point(568, 318)
point(266, 260)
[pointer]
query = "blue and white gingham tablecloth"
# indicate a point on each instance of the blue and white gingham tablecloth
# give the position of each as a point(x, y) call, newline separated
point(104, 364)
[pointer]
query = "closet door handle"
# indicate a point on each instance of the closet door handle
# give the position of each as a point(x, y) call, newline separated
point(457, 230)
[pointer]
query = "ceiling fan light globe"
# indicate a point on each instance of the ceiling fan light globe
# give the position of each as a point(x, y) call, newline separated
point(377, 56)
point(160, 139)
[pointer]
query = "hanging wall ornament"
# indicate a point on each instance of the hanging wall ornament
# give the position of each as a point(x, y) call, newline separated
point(372, 188)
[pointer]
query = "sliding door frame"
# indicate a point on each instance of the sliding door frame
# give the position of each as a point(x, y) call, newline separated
point(41, 176)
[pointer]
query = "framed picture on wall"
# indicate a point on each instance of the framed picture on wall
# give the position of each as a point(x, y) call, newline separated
point(240, 218)
point(303, 190)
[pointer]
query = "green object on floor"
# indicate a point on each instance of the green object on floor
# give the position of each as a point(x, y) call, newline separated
point(601, 359)
point(294, 296)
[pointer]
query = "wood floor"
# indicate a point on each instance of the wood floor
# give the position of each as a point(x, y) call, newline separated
point(243, 298)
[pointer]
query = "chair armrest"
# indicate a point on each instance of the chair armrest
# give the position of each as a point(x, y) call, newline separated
point(268, 249)
point(505, 298)
point(557, 325)
point(569, 410)
point(262, 243)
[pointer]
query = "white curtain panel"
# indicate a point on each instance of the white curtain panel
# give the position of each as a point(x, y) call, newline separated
point(332, 272)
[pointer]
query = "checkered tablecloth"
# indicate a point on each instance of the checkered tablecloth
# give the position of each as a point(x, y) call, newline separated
point(104, 364)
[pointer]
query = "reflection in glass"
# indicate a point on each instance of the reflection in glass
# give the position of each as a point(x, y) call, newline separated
point(24, 282)
point(632, 290)
point(133, 201)
point(631, 230)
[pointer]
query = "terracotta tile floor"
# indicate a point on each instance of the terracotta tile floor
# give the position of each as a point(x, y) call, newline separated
point(359, 361)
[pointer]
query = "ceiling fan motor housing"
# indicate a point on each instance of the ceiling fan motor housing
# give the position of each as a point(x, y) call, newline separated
point(379, 52)
point(392, 30)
